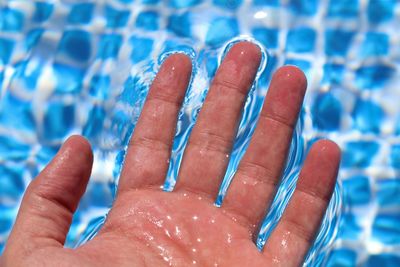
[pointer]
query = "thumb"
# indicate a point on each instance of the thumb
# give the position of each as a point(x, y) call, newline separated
point(51, 199)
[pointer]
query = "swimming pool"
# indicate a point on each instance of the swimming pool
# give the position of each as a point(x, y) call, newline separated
point(84, 67)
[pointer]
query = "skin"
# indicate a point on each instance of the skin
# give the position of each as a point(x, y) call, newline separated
point(149, 227)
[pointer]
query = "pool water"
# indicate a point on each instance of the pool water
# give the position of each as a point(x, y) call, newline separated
point(84, 67)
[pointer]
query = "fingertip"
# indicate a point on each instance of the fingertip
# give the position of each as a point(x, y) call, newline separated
point(79, 145)
point(292, 74)
point(247, 49)
point(179, 60)
point(327, 149)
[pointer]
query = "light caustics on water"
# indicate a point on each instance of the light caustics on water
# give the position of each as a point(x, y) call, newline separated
point(193, 101)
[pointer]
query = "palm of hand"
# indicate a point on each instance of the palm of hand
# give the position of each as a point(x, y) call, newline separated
point(149, 227)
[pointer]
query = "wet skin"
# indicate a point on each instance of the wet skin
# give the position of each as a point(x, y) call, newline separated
point(149, 227)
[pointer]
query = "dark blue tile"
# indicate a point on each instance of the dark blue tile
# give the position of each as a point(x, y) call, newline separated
point(11, 20)
point(27, 73)
point(357, 190)
point(367, 116)
point(11, 149)
point(337, 42)
point(266, 36)
point(116, 18)
point(342, 258)
point(343, 9)
point(109, 46)
point(326, 112)
point(150, 2)
point(134, 90)
point(304, 7)
point(385, 229)
point(359, 154)
point(304, 65)
point(223, 29)
point(141, 48)
point(94, 125)
point(43, 11)
point(180, 24)
point(76, 44)
point(6, 49)
point(388, 192)
point(228, 4)
point(375, 44)
point(373, 77)
point(68, 78)
point(21, 117)
point(383, 260)
point(12, 183)
point(350, 227)
point(58, 120)
point(395, 156)
point(333, 73)
point(380, 10)
point(100, 86)
point(81, 13)
point(148, 20)
point(300, 40)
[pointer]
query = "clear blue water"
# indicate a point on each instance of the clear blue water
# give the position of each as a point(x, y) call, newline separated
point(85, 67)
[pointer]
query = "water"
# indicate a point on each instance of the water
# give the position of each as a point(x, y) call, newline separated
point(83, 67)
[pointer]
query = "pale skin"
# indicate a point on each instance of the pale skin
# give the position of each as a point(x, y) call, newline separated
point(149, 227)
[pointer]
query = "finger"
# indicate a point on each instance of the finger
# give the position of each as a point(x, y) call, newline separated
point(51, 199)
point(260, 170)
point(149, 150)
point(207, 153)
point(299, 225)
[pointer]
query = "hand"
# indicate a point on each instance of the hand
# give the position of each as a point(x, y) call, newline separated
point(149, 227)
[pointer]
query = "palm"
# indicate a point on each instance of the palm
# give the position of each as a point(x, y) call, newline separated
point(149, 227)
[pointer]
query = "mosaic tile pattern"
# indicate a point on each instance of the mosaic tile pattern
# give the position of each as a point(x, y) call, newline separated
point(84, 67)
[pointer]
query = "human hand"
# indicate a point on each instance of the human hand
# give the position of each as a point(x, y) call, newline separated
point(149, 227)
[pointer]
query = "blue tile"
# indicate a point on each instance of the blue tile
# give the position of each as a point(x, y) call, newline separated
point(373, 77)
point(68, 78)
point(11, 183)
point(148, 20)
point(116, 18)
point(388, 192)
point(326, 112)
point(223, 29)
point(150, 2)
point(359, 154)
point(357, 190)
point(367, 116)
point(81, 13)
point(380, 10)
point(7, 219)
point(266, 2)
point(109, 46)
point(11, 20)
point(228, 4)
point(350, 228)
point(11, 149)
point(337, 42)
point(98, 195)
point(395, 156)
point(76, 44)
point(266, 36)
point(304, 7)
point(33, 37)
point(43, 11)
point(6, 49)
point(343, 8)
point(333, 74)
point(375, 44)
point(21, 116)
point(46, 153)
point(180, 24)
point(184, 3)
point(100, 86)
point(383, 260)
point(342, 258)
point(385, 229)
point(133, 91)
point(58, 120)
point(94, 125)
point(141, 48)
point(300, 40)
